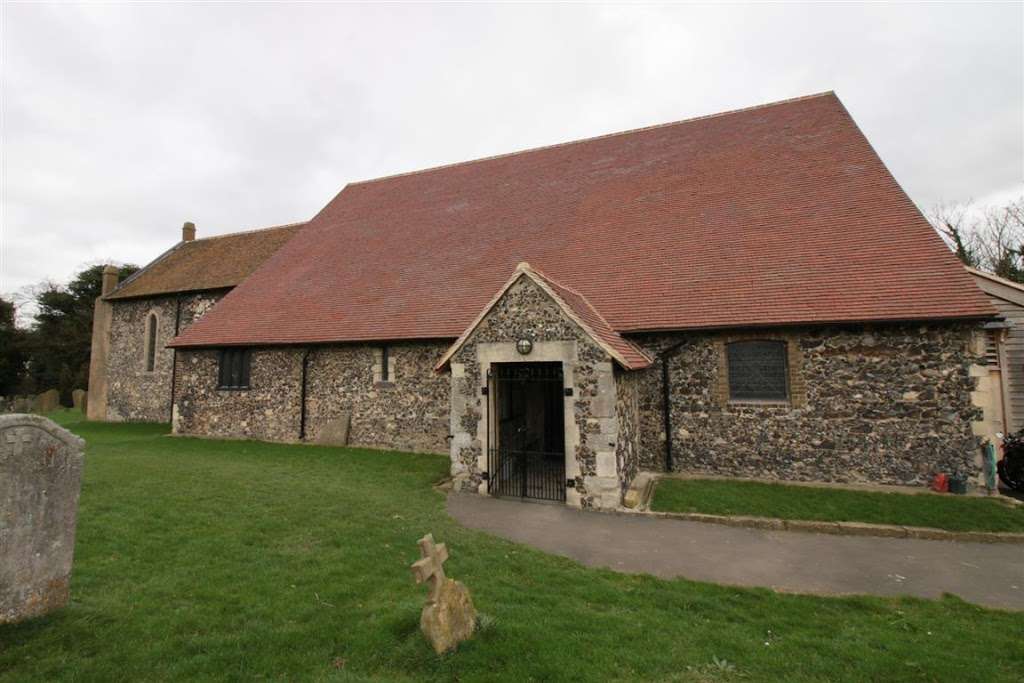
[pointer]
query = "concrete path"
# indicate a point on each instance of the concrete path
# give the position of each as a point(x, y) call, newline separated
point(983, 573)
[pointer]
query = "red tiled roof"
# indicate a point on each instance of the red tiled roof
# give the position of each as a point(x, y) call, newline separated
point(579, 311)
point(217, 262)
point(779, 214)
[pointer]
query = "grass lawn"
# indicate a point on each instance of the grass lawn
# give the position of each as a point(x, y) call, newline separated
point(220, 560)
point(720, 497)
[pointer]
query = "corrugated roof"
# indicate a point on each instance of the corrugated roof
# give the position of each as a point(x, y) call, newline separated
point(779, 214)
point(217, 262)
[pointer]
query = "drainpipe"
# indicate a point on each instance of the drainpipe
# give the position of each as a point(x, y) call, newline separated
point(302, 396)
point(174, 353)
point(666, 391)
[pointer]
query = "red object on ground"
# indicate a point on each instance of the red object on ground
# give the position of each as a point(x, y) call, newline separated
point(940, 483)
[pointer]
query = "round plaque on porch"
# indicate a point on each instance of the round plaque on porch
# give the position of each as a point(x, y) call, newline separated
point(524, 346)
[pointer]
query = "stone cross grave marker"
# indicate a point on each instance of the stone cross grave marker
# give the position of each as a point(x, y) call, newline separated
point(448, 618)
point(431, 567)
point(40, 479)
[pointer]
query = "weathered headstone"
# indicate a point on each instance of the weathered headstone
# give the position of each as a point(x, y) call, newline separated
point(40, 479)
point(335, 432)
point(47, 402)
point(448, 618)
point(22, 404)
point(85, 403)
point(78, 399)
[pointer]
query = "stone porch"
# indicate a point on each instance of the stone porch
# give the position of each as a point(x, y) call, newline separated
point(601, 417)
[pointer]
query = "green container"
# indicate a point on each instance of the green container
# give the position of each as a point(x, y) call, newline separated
point(958, 485)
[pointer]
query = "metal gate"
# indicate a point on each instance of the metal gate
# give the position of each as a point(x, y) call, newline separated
point(526, 431)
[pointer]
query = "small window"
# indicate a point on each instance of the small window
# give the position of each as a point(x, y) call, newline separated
point(385, 362)
point(992, 348)
point(758, 371)
point(151, 342)
point(234, 369)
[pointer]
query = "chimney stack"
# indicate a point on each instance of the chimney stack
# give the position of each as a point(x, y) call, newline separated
point(109, 279)
point(188, 232)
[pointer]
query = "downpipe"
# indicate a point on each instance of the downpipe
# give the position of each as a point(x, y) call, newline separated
point(666, 392)
point(302, 394)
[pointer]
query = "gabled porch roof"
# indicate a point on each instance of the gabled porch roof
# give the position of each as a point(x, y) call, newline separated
point(576, 307)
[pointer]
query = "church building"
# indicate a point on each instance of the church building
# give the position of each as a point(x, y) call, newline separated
point(744, 294)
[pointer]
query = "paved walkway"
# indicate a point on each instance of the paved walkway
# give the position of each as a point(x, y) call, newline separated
point(983, 573)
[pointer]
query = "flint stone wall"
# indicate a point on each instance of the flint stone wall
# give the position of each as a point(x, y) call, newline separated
point(134, 393)
point(884, 404)
point(409, 412)
point(628, 386)
point(526, 311)
point(40, 480)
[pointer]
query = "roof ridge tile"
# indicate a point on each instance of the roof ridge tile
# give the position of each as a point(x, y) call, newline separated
point(592, 138)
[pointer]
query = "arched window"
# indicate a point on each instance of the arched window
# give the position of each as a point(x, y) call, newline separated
point(151, 342)
point(758, 370)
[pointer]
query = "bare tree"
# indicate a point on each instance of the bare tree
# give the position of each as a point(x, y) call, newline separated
point(991, 239)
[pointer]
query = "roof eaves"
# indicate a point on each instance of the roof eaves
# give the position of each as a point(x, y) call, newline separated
point(134, 276)
point(995, 278)
point(802, 322)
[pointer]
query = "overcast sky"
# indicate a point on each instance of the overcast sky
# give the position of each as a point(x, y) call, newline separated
point(121, 121)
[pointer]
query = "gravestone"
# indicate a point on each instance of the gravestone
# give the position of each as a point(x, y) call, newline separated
point(335, 432)
point(40, 479)
point(47, 401)
point(78, 399)
point(22, 404)
point(448, 618)
point(85, 403)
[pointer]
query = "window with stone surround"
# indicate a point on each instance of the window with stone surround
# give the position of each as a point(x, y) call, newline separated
point(758, 371)
point(151, 324)
point(384, 365)
point(233, 369)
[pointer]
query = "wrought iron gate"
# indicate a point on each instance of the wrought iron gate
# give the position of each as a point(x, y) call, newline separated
point(526, 431)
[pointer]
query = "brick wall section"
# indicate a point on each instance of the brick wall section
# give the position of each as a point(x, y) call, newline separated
point(883, 404)
point(410, 412)
point(135, 394)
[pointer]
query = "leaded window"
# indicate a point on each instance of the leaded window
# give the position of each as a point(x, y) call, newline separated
point(233, 370)
point(151, 343)
point(758, 371)
point(385, 364)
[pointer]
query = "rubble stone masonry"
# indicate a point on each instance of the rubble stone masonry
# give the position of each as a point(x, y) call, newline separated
point(135, 393)
point(592, 418)
point(881, 404)
point(409, 412)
